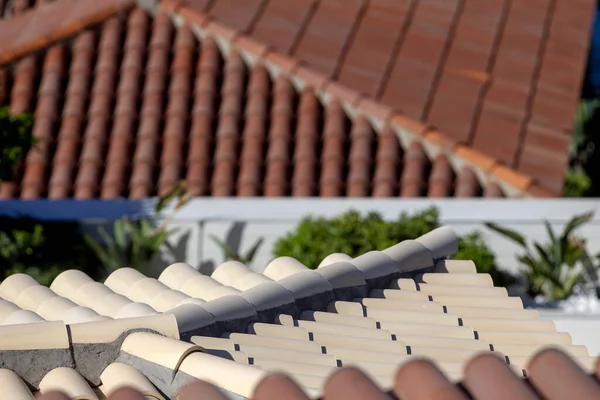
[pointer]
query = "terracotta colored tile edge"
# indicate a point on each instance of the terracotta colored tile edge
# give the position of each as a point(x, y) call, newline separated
point(512, 182)
point(58, 33)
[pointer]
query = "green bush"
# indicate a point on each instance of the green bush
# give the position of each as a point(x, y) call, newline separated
point(42, 249)
point(354, 234)
point(16, 139)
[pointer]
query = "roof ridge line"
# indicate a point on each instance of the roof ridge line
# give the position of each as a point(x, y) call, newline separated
point(59, 29)
point(434, 142)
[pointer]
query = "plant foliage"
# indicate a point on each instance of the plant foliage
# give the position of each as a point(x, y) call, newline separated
point(134, 243)
point(16, 139)
point(232, 254)
point(556, 267)
point(354, 234)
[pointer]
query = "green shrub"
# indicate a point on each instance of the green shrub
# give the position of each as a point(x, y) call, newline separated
point(42, 249)
point(354, 234)
point(16, 139)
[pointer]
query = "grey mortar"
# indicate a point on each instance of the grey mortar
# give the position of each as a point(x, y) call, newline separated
point(166, 380)
point(91, 359)
point(33, 365)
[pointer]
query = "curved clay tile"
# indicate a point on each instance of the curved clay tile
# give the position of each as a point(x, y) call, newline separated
point(280, 138)
point(201, 135)
point(466, 184)
point(148, 138)
point(99, 114)
point(228, 129)
point(440, 178)
point(305, 149)
point(333, 159)
point(492, 189)
point(254, 135)
point(387, 160)
point(413, 177)
point(360, 158)
point(122, 136)
point(73, 117)
point(176, 125)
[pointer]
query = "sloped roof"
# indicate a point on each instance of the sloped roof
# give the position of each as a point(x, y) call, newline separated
point(130, 108)
point(376, 311)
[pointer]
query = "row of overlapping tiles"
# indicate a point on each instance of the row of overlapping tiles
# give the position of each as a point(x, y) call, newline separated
point(449, 319)
point(447, 315)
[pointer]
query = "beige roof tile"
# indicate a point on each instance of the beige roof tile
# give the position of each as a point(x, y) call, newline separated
point(233, 327)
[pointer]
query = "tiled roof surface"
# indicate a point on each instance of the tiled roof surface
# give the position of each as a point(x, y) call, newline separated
point(376, 311)
point(134, 106)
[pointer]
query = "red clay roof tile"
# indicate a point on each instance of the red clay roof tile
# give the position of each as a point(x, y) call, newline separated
point(112, 107)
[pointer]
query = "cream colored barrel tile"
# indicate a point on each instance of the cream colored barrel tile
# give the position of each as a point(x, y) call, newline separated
point(198, 286)
point(405, 284)
point(22, 317)
point(233, 355)
point(7, 308)
point(353, 354)
point(375, 368)
point(69, 382)
point(90, 294)
point(249, 281)
point(399, 329)
point(526, 350)
point(33, 296)
point(503, 337)
point(122, 279)
point(111, 304)
point(412, 317)
point(118, 375)
point(230, 271)
point(462, 290)
point(191, 300)
point(351, 342)
point(487, 312)
point(293, 367)
point(282, 267)
point(465, 300)
point(406, 305)
point(395, 294)
point(12, 387)
point(445, 354)
point(270, 353)
point(456, 279)
point(146, 289)
point(339, 319)
point(352, 308)
point(160, 350)
point(133, 310)
point(451, 343)
point(177, 274)
point(344, 330)
point(455, 267)
point(167, 300)
point(78, 315)
point(68, 282)
point(278, 343)
point(238, 378)
point(334, 258)
point(521, 325)
point(207, 342)
point(108, 331)
point(54, 308)
point(12, 287)
point(219, 292)
point(281, 331)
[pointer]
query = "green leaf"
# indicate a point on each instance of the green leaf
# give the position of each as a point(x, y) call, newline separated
point(576, 222)
point(177, 192)
point(228, 252)
point(508, 233)
point(251, 253)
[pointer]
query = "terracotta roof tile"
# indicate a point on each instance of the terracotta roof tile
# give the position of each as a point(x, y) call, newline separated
point(305, 323)
point(130, 109)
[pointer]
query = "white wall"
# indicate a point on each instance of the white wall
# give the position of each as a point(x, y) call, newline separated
point(271, 218)
point(584, 329)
